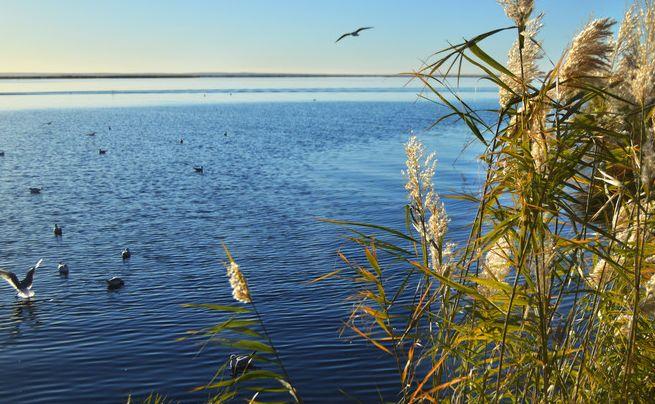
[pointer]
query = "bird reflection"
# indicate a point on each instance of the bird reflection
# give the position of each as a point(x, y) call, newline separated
point(24, 314)
point(26, 311)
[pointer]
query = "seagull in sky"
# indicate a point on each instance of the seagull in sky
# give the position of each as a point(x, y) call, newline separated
point(24, 287)
point(354, 33)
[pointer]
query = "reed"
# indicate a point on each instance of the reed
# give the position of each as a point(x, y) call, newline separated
point(551, 298)
point(245, 334)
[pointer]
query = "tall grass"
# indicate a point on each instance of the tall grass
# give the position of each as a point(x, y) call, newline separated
point(264, 375)
point(552, 295)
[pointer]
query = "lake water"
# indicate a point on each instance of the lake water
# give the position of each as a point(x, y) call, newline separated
point(296, 149)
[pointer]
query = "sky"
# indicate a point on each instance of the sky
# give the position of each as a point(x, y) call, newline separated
point(262, 36)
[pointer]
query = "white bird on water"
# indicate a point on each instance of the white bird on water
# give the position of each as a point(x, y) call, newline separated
point(24, 287)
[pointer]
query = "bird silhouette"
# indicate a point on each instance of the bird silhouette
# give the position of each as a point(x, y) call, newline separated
point(354, 33)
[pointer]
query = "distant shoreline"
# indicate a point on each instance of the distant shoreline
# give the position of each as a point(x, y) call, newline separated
point(45, 76)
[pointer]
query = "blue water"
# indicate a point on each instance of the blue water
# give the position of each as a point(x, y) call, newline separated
point(286, 161)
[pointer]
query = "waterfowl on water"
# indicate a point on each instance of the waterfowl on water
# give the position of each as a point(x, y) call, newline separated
point(115, 283)
point(198, 169)
point(34, 190)
point(2, 153)
point(91, 134)
point(181, 141)
point(102, 151)
point(24, 287)
point(58, 230)
point(126, 254)
point(62, 268)
point(240, 364)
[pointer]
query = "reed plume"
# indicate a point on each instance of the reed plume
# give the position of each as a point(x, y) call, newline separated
point(517, 10)
point(588, 59)
point(522, 62)
point(238, 282)
point(496, 265)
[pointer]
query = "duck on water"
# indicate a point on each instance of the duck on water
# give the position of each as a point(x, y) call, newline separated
point(62, 268)
point(115, 283)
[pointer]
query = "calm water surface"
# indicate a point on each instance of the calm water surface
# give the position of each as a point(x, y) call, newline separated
point(287, 160)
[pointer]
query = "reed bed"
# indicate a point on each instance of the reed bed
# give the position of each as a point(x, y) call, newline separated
point(551, 298)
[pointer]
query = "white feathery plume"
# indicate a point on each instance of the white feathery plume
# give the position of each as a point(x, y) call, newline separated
point(624, 321)
point(602, 270)
point(588, 56)
point(416, 174)
point(425, 200)
point(496, 264)
point(624, 226)
point(635, 48)
point(517, 10)
point(238, 282)
point(647, 163)
point(541, 139)
point(648, 302)
point(544, 263)
point(522, 62)
point(437, 227)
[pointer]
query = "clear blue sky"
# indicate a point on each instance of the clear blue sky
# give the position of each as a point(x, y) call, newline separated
point(293, 36)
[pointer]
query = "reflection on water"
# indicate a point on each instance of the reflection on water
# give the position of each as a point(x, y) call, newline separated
point(25, 312)
point(282, 165)
point(23, 318)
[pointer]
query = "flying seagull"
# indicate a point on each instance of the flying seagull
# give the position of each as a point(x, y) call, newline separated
point(354, 33)
point(24, 287)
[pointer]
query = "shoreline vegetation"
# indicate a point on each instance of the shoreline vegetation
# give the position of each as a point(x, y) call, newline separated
point(551, 297)
point(50, 76)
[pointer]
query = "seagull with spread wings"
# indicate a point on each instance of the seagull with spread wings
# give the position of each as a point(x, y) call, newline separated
point(24, 287)
point(354, 33)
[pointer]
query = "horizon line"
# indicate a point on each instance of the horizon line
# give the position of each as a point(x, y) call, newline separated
point(9, 76)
